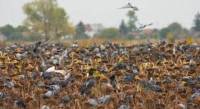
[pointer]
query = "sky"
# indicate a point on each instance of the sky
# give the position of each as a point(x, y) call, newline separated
point(160, 12)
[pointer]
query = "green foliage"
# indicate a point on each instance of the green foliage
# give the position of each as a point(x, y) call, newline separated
point(123, 29)
point(13, 33)
point(7, 30)
point(80, 31)
point(32, 37)
point(132, 19)
point(197, 22)
point(109, 33)
point(163, 32)
point(170, 37)
point(155, 34)
point(46, 18)
point(175, 29)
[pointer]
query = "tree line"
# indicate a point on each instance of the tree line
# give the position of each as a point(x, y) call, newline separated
point(46, 19)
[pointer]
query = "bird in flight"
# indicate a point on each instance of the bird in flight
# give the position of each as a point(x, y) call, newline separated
point(129, 6)
point(145, 25)
point(142, 27)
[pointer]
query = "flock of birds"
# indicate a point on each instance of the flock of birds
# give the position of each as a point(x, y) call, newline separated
point(109, 75)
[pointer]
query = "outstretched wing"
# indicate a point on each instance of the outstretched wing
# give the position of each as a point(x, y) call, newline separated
point(146, 25)
point(150, 24)
point(125, 7)
point(129, 6)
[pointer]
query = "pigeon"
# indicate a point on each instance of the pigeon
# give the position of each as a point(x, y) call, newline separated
point(135, 70)
point(128, 78)
point(36, 46)
point(92, 102)
point(45, 107)
point(53, 69)
point(124, 106)
point(20, 104)
point(65, 99)
point(129, 6)
point(21, 56)
point(104, 99)
point(145, 25)
point(2, 95)
point(75, 45)
point(195, 95)
point(120, 65)
point(151, 85)
point(46, 75)
point(64, 55)
point(48, 94)
point(8, 84)
point(52, 90)
point(66, 77)
point(113, 81)
point(87, 85)
point(99, 101)
point(43, 63)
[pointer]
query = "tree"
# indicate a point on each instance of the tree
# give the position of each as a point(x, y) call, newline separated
point(46, 18)
point(163, 32)
point(7, 30)
point(109, 33)
point(123, 29)
point(175, 26)
point(175, 29)
point(80, 31)
point(170, 37)
point(197, 22)
point(13, 33)
point(132, 19)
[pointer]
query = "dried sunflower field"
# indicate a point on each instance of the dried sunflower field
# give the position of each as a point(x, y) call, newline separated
point(108, 75)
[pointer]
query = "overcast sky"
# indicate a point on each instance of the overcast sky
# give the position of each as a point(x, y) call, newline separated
point(160, 12)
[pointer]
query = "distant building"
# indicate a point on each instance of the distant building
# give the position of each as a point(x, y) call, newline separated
point(148, 33)
point(2, 37)
point(92, 29)
point(195, 34)
point(135, 34)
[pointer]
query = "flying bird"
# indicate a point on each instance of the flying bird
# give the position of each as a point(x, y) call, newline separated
point(145, 25)
point(129, 6)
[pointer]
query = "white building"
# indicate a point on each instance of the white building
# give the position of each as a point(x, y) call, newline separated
point(2, 37)
point(92, 29)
